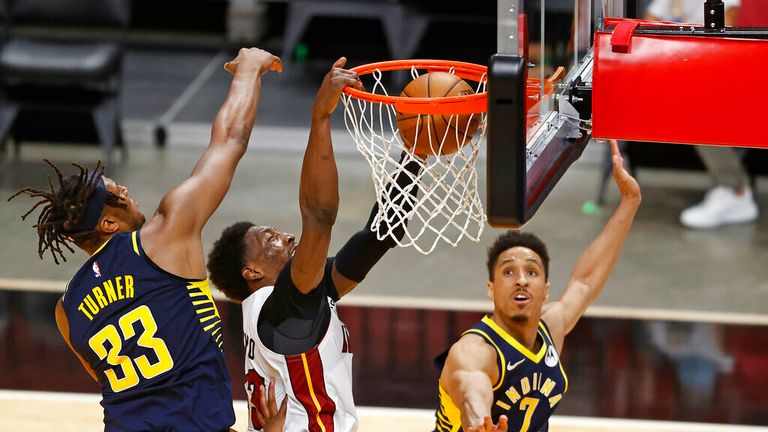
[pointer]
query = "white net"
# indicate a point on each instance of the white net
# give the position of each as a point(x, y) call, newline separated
point(447, 204)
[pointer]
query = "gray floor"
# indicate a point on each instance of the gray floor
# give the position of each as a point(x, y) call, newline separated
point(663, 265)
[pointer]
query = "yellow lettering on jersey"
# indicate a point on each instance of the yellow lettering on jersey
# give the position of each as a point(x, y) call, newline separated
point(546, 389)
point(530, 384)
point(129, 286)
point(91, 304)
point(99, 297)
point(503, 405)
point(525, 385)
point(110, 291)
point(119, 286)
point(81, 308)
point(109, 288)
point(513, 395)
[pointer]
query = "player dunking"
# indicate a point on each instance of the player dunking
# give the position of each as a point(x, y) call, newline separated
point(139, 314)
point(506, 367)
point(288, 291)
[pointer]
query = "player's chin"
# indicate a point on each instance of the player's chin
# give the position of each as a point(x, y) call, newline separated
point(520, 318)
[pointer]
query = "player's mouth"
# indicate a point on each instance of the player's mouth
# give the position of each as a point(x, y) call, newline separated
point(522, 298)
point(293, 251)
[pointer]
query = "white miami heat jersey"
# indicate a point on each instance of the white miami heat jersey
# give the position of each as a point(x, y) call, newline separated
point(318, 382)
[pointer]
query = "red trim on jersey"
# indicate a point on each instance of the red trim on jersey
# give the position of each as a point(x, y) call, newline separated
point(306, 372)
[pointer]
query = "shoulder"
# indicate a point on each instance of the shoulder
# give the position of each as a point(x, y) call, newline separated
point(553, 317)
point(472, 352)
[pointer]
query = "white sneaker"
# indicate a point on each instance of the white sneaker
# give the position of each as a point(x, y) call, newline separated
point(721, 206)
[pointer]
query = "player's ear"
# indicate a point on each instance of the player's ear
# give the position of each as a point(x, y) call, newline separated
point(546, 291)
point(251, 273)
point(490, 290)
point(108, 225)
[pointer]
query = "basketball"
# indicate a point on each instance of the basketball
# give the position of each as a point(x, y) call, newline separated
point(454, 130)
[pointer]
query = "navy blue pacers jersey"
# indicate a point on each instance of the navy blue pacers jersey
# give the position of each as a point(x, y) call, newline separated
point(530, 384)
point(154, 340)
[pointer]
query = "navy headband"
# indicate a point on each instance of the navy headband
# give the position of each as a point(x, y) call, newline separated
point(93, 207)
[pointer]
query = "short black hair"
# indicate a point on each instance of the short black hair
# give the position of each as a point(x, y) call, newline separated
point(512, 239)
point(226, 261)
point(63, 209)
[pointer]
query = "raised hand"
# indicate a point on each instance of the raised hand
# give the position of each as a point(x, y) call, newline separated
point(333, 85)
point(488, 425)
point(271, 418)
point(254, 60)
point(627, 184)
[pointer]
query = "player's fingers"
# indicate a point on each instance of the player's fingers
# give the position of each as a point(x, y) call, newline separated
point(615, 153)
point(340, 62)
point(355, 83)
point(260, 414)
point(263, 400)
point(271, 399)
point(502, 427)
point(488, 424)
point(230, 67)
point(283, 407)
point(277, 65)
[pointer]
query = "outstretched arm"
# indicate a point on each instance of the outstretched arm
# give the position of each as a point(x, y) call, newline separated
point(182, 213)
point(596, 263)
point(468, 376)
point(319, 188)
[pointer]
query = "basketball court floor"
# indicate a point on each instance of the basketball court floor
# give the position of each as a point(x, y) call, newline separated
point(665, 273)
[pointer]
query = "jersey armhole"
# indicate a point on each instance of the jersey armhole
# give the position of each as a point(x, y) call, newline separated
point(499, 357)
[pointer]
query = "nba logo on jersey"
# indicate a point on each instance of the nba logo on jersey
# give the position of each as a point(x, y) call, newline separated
point(96, 269)
point(551, 358)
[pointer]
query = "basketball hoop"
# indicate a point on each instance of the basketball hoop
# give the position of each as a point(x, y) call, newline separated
point(450, 128)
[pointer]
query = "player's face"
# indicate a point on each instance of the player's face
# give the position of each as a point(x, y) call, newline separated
point(519, 287)
point(270, 248)
point(130, 213)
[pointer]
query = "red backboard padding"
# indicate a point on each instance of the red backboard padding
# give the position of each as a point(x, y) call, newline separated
point(681, 89)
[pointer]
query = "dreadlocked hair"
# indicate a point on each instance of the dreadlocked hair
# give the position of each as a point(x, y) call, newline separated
point(64, 209)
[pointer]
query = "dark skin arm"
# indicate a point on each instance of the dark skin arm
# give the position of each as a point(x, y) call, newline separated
point(63, 324)
point(319, 188)
point(172, 238)
point(343, 284)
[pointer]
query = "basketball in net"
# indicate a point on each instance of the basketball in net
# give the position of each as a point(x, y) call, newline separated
point(437, 124)
point(436, 134)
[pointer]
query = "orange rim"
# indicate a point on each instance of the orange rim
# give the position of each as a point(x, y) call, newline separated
point(476, 103)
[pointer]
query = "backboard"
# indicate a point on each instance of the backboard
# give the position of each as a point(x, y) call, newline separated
point(538, 99)
point(543, 107)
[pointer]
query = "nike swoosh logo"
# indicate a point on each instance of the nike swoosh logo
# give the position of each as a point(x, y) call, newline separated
point(511, 366)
